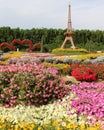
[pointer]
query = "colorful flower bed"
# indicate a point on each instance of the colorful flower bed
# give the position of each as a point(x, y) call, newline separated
point(58, 115)
point(70, 59)
point(83, 57)
point(88, 56)
point(34, 96)
point(81, 109)
point(82, 72)
point(4, 59)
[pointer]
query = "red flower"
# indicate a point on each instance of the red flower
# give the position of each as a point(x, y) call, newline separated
point(84, 74)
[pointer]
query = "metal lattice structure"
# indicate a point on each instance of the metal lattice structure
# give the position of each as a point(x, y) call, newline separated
point(69, 33)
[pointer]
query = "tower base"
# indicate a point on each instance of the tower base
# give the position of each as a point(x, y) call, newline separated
point(68, 38)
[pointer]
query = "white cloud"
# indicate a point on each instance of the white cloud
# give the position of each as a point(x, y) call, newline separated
point(86, 14)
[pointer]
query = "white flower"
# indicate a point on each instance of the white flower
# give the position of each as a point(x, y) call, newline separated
point(63, 124)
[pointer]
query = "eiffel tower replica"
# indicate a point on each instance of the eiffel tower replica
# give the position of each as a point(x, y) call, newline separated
point(69, 33)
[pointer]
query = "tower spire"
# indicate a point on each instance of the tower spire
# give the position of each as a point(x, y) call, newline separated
point(69, 33)
point(69, 26)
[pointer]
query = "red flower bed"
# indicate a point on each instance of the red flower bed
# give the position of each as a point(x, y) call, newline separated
point(84, 74)
point(98, 68)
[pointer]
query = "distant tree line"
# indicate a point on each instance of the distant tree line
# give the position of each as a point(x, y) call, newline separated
point(92, 40)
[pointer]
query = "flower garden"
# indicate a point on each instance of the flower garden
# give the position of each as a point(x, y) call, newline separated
point(36, 92)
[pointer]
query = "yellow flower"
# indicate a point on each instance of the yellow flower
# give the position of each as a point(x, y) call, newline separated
point(97, 124)
point(82, 127)
point(58, 128)
point(55, 123)
point(39, 128)
point(68, 125)
point(71, 126)
point(92, 128)
point(25, 126)
point(15, 54)
point(17, 127)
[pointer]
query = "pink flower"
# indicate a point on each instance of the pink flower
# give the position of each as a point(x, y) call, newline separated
point(68, 113)
point(24, 82)
point(89, 99)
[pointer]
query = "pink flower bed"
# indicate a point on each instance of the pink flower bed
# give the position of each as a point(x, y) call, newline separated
point(30, 84)
point(90, 99)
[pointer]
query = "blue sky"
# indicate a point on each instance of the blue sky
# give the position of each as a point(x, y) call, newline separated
point(27, 14)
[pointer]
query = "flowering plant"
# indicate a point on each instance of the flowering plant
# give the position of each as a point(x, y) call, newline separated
point(62, 68)
point(84, 74)
point(89, 100)
point(30, 84)
point(69, 50)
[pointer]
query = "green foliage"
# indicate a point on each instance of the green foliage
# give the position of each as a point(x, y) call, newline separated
point(53, 38)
